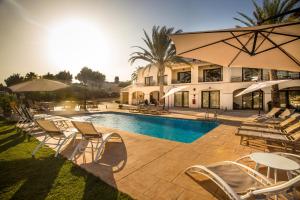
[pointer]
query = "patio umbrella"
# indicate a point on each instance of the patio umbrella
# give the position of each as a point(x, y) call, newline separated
point(275, 46)
point(259, 85)
point(174, 90)
point(38, 85)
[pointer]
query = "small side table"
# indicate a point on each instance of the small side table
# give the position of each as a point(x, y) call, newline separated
point(276, 162)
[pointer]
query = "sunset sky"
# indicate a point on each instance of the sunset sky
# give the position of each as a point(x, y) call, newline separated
point(53, 35)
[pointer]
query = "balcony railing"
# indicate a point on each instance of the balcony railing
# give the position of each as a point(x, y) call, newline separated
point(180, 81)
point(152, 83)
point(293, 77)
point(200, 79)
point(240, 78)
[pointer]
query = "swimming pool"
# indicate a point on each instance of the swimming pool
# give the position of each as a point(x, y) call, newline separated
point(180, 130)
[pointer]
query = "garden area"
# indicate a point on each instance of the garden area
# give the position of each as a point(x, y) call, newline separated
point(43, 177)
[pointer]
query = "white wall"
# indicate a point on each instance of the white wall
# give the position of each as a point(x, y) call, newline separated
point(226, 87)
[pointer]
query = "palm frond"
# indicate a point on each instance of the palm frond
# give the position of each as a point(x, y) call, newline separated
point(269, 9)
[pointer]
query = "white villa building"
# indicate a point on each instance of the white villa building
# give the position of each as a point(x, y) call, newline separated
point(211, 86)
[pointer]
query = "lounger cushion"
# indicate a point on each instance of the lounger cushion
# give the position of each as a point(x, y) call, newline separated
point(235, 177)
point(249, 133)
point(86, 129)
point(261, 129)
point(48, 126)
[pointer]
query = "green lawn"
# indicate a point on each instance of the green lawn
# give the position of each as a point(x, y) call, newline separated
point(44, 177)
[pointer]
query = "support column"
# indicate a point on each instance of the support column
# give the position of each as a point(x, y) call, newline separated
point(130, 98)
point(194, 74)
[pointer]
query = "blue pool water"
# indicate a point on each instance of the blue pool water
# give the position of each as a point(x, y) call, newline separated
point(180, 130)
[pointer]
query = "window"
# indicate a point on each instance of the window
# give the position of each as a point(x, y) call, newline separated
point(165, 77)
point(149, 81)
point(212, 75)
point(181, 99)
point(184, 77)
point(253, 100)
point(290, 98)
point(288, 75)
point(211, 99)
point(250, 74)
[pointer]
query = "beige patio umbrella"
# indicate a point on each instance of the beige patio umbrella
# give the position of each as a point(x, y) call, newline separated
point(274, 46)
point(38, 85)
point(260, 85)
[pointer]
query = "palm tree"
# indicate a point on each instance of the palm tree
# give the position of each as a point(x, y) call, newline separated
point(160, 52)
point(268, 9)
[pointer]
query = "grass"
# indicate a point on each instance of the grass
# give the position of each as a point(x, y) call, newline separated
point(44, 177)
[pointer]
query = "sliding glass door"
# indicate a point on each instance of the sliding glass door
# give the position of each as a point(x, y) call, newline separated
point(211, 99)
point(253, 100)
point(181, 99)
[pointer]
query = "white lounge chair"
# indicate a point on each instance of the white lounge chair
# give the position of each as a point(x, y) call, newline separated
point(241, 182)
point(91, 135)
point(52, 131)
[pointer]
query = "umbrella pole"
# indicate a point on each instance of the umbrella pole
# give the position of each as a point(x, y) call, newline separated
point(85, 97)
point(168, 102)
point(259, 104)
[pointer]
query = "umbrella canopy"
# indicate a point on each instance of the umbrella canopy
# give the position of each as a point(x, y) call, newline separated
point(38, 85)
point(259, 85)
point(174, 90)
point(274, 46)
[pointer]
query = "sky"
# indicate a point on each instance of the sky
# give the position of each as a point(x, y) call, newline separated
point(54, 35)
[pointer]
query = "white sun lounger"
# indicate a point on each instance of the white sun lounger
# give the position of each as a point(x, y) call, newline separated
point(241, 182)
point(89, 135)
point(51, 131)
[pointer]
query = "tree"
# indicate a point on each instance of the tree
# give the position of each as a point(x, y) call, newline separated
point(90, 78)
point(160, 52)
point(134, 74)
point(270, 8)
point(49, 76)
point(117, 80)
point(64, 76)
point(30, 76)
point(124, 83)
point(13, 79)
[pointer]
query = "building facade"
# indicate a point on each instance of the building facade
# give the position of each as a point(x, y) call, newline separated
point(211, 86)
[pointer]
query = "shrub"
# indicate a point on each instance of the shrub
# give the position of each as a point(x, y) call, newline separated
point(5, 100)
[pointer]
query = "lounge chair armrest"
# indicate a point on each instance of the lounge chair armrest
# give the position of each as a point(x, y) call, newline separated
point(274, 189)
point(241, 158)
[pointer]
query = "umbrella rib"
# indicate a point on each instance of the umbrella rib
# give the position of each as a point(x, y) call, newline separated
point(210, 44)
point(235, 47)
point(277, 45)
point(236, 37)
point(235, 57)
point(226, 31)
point(284, 34)
point(263, 41)
point(282, 50)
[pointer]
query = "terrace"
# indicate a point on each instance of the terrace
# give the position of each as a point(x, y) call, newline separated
point(150, 168)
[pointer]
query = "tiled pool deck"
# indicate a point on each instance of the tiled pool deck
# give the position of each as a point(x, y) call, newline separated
point(151, 168)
